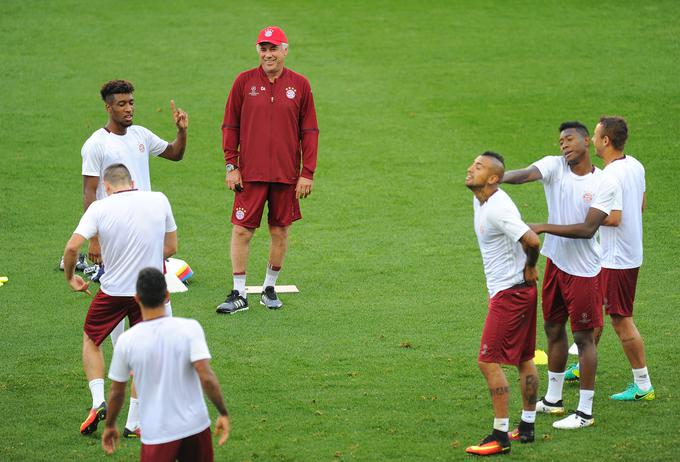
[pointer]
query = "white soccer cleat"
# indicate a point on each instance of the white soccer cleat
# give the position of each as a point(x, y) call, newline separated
point(574, 421)
point(546, 407)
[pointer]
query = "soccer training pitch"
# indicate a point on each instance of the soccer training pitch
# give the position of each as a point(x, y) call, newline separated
point(375, 358)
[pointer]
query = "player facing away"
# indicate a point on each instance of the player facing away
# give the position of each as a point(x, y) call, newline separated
point(171, 363)
point(136, 229)
point(571, 283)
point(509, 252)
point(621, 242)
point(270, 142)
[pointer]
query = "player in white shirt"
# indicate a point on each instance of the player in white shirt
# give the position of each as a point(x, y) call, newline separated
point(509, 253)
point(119, 141)
point(136, 230)
point(171, 363)
point(622, 251)
point(574, 192)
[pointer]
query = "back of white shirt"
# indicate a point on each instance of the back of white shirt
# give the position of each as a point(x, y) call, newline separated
point(104, 148)
point(161, 352)
point(569, 197)
point(622, 245)
point(499, 227)
point(131, 227)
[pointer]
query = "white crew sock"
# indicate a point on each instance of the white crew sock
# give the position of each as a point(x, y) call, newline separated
point(97, 390)
point(585, 401)
point(502, 425)
point(555, 385)
point(272, 274)
point(240, 284)
point(117, 331)
point(168, 309)
point(133, 415)
point(641, 377)
point(528, 416)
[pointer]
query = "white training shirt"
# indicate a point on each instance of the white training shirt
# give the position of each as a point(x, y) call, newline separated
point(104, 148)
point(161, 352)
point(569, 197)
point(499, 227)
point(131, 227)
point(622, 245)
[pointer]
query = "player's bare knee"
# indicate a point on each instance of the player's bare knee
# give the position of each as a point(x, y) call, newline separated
point(241, 233)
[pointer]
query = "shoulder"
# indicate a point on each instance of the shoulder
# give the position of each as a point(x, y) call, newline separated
point(246, 75)
point(95, 140)
point(297, 77)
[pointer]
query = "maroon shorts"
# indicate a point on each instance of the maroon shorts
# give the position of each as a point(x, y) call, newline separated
point(509, 335)
point(106, 312)
point(194, 448)
point(574, 297)
point(618, 290)
point(284, 207)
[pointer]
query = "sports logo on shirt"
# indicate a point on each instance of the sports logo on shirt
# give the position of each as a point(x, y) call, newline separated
point(141, 147)
point(253, 91)
point(587, 197)
point(585, 318)
point(485, 349)
point(268, 33)
point(240, 213)
point(290, 92)
point(262, 89)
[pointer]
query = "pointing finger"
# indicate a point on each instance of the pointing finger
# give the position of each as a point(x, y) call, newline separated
point(172, 105)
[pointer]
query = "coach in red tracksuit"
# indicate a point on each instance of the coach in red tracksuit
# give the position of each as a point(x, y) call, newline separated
point(270, 141)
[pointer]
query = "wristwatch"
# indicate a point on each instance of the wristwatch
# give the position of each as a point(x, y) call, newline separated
point(231, 167)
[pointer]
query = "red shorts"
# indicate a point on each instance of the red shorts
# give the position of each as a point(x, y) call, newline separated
point(574, 297)
point(106, 312)
point(284, 207)
point(509, 335)
point(618, 290)
point(194, 448)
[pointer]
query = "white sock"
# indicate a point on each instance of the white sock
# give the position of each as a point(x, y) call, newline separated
point(585, 401)
point(502, 425)
point(528, 416)
point(168, 309)
point(272, 274)
point(115, 333)
point(555, 385)
point(240, 284)
point(133, 415)
point(97, 390)
point(641, 377)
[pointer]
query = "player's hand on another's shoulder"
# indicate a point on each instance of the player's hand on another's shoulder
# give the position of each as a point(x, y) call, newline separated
point(303, 187)
point(181, 117)
point(531, 275)
point(222, 429)
point(78, 284)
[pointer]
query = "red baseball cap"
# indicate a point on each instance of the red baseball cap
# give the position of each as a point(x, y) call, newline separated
point(273, 35)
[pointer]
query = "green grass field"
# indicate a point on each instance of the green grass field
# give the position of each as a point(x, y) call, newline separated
point(407, 94)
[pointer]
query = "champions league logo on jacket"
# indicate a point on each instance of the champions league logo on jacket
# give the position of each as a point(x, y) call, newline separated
point(253, 91)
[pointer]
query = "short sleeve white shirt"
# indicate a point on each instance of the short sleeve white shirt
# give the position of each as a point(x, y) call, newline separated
point(499, 227)
point(104, 148)
point(569, 196)
point(131, 227)
point(622, 245)
point(161, 352)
